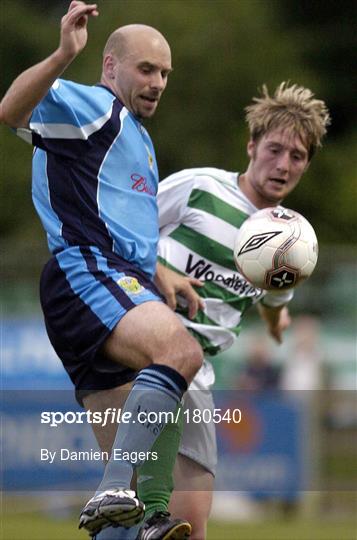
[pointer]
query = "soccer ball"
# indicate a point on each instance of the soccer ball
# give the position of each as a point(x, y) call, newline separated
point(276, 248)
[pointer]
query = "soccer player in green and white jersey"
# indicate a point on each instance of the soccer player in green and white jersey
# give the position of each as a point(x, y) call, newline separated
point(200, 211)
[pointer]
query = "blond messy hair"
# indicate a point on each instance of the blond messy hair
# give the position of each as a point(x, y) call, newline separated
point(291, 108)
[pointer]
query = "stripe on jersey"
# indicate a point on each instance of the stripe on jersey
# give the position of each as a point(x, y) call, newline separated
point(68, 102)
point(202, 245)
point(203, 200)
point(68, 131)
point(86, 192)
point(42, 200)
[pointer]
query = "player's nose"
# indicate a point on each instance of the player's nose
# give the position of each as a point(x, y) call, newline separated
point(157, 81)
point(283, 163)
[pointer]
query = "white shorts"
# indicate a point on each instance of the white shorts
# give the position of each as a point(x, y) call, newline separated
point(198, 440)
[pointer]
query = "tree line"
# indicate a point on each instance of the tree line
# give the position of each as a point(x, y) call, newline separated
point(223, 51)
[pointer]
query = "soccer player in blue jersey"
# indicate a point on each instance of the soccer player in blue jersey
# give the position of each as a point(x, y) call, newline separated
point(94, 187)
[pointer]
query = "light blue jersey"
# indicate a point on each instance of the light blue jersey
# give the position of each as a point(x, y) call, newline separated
point(95, 175)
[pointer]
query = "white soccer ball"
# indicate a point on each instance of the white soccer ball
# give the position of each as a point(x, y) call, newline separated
point(276, 248)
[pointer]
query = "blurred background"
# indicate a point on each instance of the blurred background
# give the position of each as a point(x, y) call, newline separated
point(223, 51)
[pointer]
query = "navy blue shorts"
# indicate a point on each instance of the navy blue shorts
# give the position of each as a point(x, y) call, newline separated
point(84, 293)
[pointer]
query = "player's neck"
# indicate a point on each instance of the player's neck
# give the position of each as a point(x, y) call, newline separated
point(248, 190)
point(252, 194)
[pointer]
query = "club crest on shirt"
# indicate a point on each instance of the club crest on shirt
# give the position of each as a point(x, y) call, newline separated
point(150, 158)
point(130, 285)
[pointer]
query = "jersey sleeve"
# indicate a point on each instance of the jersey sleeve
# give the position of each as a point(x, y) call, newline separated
point(277, 298)
point(67, 117)
point(173, 196)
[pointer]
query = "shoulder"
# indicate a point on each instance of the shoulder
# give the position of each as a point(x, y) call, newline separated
point(211, 176)
point(80, 104)
point(72, 110)
point(64, 85)
point(202, 176)
point(77, 96)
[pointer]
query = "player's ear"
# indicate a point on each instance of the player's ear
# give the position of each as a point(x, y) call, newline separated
point(109, 66)
point(251, 147)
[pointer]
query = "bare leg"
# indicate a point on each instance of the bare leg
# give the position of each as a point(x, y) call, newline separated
point(152, 334)
point(100, 401)
point(168, 358)
point(192, 498)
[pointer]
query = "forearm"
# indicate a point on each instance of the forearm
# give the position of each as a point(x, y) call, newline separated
point(270, 315)
point(276, 318)
point(30, 87)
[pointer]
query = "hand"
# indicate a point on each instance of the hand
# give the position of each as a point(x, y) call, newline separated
point(30, 87)
point(74, 27)
point(171, 284)
point(277, 320)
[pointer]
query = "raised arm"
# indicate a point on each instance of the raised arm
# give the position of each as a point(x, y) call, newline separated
point(32, 85)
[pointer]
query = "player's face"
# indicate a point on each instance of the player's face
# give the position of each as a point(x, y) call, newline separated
point(141, 76)
point(277, 162)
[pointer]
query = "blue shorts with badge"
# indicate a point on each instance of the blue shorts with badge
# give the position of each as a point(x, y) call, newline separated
point(84, 293)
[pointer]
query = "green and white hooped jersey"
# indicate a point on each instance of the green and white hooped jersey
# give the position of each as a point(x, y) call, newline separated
point(200, 211)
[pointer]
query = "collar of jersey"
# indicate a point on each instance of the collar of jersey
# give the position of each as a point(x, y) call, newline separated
point(109, 90)
point(116, 97)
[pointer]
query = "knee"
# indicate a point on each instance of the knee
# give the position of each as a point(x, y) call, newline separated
point(186, 355)
point(195, 360)
point(192, 358)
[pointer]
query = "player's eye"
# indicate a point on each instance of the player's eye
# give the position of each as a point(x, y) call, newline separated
point(146, 69)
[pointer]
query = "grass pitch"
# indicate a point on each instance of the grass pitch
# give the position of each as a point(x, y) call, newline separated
point(37, 526)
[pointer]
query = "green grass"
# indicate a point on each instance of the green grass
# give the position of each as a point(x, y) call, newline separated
point(280, 530)
point(39, 527)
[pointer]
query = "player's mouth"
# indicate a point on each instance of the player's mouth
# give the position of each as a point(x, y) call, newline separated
point(278, 181)
point(150, 99)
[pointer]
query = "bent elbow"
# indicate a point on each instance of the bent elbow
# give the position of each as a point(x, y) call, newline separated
point(2, 117)
point(12, 119)
point(5, 117)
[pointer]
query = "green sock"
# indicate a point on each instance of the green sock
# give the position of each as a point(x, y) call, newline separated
point(155, 478)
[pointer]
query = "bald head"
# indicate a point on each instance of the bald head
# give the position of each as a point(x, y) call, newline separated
point(136, 64)
point(123, 39)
